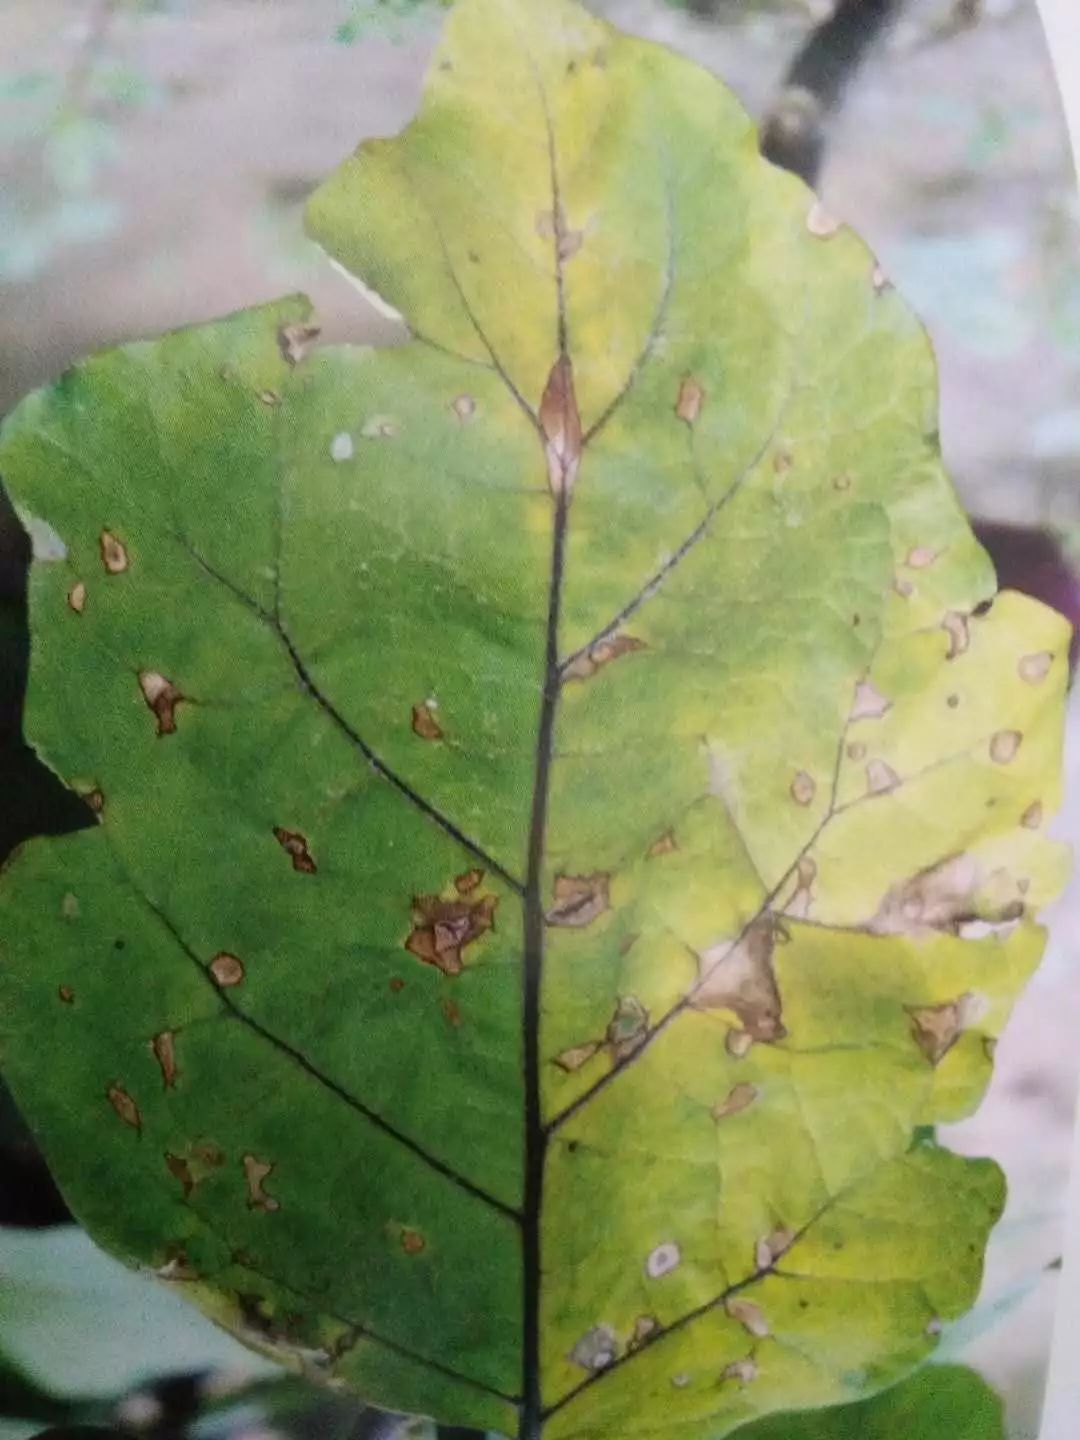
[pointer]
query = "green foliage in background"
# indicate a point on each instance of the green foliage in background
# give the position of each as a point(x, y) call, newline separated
point(569, 807)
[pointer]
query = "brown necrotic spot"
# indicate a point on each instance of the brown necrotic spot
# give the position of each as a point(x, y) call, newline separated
point(743, 1372)
point(412, 1242)
point(162, 697)
point(803, 788)
point(464, 407)
point(802, 898)
point(114, 555)
point(256, 1172)
point(66, 994)
point(738, 976)
point(921, 558)
point(579, 899)
point(958, 630)
point(227, 970)
point(1004, 746)
point(869, 704)
point(396, 985)
point(180, 1170)
point(627, 1027)
point(295, 341)
point(443, 928)
point(820, 223)
point(738, 1043)
point(881, 778)
point(424, 722)
point(585, 665)
point(467, 883)
point(739, 1098)
point(937, 1028)
point(596, 1350)
point(750, 1316)
point(164, 1047)
point(76, 598)
point(1032, 817)
point(560, 424)
point(124, 1106)
point(690, 399)
point(295, 846)
point(452, 1011)
point(663, 1260)
point(771, 1247)
point(576, 1056)
point(645, 1327)
point(1034, 668)
point(856, 750)
point(663, 845)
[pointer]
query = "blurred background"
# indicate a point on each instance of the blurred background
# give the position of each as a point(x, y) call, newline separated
point(154, 159)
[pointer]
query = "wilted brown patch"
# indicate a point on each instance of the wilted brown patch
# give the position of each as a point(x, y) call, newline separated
point(941, 897)
point(443, 928)
point(579, 899)
point(467, 883)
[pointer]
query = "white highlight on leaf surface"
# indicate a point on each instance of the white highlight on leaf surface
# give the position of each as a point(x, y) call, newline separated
point(46, 544)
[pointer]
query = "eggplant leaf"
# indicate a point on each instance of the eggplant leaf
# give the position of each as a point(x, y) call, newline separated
point(569, 805)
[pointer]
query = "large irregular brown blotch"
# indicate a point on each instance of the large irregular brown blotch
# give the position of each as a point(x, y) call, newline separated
point(296, 341)
point(443, 928)
point(579, 899)
point(738, 976)
point(256, 1172)
point(585, 665)
point(560, 424)
point(941, 897)
point(295, 846)
point(162, 697)
point(937, 1028)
